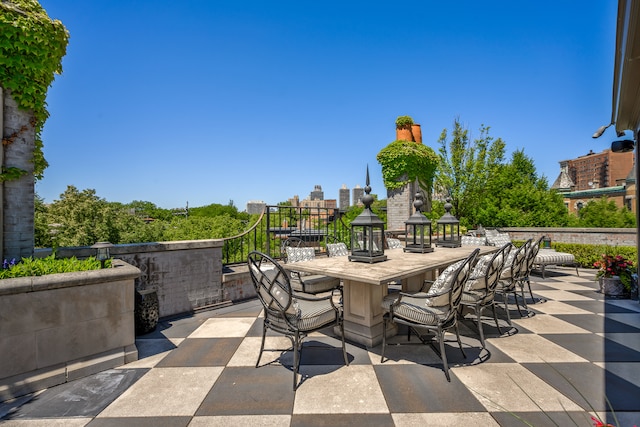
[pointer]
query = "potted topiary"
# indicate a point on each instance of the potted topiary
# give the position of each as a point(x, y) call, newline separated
point(403, 128)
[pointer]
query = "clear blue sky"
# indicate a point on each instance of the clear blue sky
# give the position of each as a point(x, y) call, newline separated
point(211, 101)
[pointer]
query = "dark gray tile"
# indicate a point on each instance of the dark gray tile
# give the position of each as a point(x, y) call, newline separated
point(175, 328)
point(594, 347)
point(202, 352)
point(588, 385)
point(521, 419)
point(596, 323)
point(86, 397)
point(332, 420)
point(267, 390)
point(419, 388)
point(150, 347)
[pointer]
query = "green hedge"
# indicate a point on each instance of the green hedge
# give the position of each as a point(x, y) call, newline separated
point(586, 255)
point(49, 265)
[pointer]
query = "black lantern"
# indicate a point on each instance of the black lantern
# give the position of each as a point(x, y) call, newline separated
point(418, 229)
point(367, 232)
point(546, 242)
point(102, 251)
point(448, 229)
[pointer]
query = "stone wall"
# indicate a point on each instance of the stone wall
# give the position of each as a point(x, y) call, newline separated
point(399, 207)
point(61, 327)
point(591, 236)
point(187, 275)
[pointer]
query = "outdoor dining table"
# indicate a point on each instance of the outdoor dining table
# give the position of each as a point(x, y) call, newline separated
point(365, 285)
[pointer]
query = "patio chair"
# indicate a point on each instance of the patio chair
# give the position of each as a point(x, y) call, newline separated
point(531, 257)
point(433, 310)
point(287, 313)
point(294, 251)
point(510, 275)
point(479, 291)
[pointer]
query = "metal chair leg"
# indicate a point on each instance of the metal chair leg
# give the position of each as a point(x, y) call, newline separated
point(479, 315)
point(443, 354)
point(264, 334)
point(384, 337)
point(495, 316)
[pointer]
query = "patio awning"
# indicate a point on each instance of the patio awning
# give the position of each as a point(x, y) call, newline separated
point(626, 77)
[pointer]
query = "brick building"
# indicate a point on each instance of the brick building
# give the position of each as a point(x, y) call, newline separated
point(596, 175)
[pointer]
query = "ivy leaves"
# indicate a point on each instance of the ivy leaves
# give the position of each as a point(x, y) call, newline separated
point(405, 161)
point(31, 49)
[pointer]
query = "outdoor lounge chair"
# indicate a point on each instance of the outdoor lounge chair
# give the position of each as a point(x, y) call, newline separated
point(433, 310)
point(290, 314)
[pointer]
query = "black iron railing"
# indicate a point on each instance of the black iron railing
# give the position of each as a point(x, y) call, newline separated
point(316, 226)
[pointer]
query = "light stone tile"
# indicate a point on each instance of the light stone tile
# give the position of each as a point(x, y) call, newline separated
point(531, 348)
point(242, 421)
point(510, 387)
point(224, 327)
point(352, 389)
point(147, 362)
point(247, 352)
point(557, 307)
point(561, 295)
point(545, 324)
point(165, 392)
point(444, 419)
point(49, 422)
point(569, 286)
point(631, 319)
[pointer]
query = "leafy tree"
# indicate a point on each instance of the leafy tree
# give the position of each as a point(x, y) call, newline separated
point(215, 209)
point(515, 196)
point(198, 228)
point(465, 168)
point(148, 210)
point(605, 213)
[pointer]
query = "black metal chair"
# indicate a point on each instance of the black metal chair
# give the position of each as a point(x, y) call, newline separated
point(285, 312)
point(480, 289)
point(434, 310)
point(531, 257)
point(293, 250)
point(511, 273)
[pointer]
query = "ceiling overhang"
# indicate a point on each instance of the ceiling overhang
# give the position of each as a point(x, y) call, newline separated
point(626, 77)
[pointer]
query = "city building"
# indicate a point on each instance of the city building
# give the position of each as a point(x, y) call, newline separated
point(358, 194)
point(343, 197)
point(255, 206)
point(596, 175)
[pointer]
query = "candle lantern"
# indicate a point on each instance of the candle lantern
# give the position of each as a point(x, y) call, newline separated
point(448, 227)
point(367, 232)
point(418, 229)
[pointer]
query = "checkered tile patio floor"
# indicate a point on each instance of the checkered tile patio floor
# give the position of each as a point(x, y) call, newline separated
point(553, 367)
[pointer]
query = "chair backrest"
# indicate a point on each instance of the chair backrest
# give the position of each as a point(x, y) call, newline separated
point(519, 264)
point(272, 284)
point(451, 281)
point(293, 250)
point(337, 249)
point(533, 252)
point(393, 243)
point(495, 267)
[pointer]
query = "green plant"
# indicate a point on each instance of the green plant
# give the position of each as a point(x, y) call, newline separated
point(404, 122)
point(615, 265)
point(50, 265)
point(31, 49)
point(405, 161)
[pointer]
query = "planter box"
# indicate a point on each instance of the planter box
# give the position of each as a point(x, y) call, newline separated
point(61, 327)
point(612, 286)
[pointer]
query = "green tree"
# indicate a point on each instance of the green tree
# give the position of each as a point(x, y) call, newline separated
point(515, 196)
point(605, 213)
point(465, 168)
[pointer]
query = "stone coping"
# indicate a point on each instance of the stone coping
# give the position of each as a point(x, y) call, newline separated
point(120, 271)
point(133, 248)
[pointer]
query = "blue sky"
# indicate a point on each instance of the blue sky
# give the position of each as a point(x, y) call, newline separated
point(211, 101)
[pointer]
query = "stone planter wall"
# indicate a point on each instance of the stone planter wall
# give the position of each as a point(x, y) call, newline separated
point(60, 327)
point(187, 275)
point(587, 236)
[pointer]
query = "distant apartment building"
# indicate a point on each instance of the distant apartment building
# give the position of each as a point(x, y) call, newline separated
point(597, 175)
point(255, 206)
point(358, 194)
point(343, 197)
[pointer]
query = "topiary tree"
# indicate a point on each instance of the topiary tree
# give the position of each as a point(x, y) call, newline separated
point(31, 49)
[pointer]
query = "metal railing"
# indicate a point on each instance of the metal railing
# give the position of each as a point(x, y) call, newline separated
point(316, 226)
